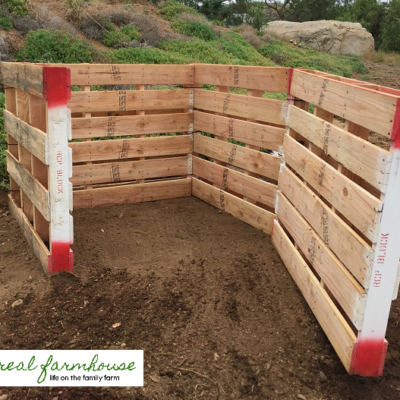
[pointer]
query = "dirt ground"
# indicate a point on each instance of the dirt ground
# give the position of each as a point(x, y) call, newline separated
point(202, 293)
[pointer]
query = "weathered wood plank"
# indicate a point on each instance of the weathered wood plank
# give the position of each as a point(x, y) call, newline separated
point(241, 209)
point(332, 322)
point(270, 79)
point(36, 193)
point(84, 128)
point(350, 248)
point(25, 77)
point(370, 109)
point(31, 138)
point(357, 155)
point(265, 110)
point(129, 170)
point(252, 160)
point(356, 204)
point(135, 193)
point(231, 180)
point(104, 150)
point(129, 74)
point(126, 100)
point(347, 291)
point(265, 136)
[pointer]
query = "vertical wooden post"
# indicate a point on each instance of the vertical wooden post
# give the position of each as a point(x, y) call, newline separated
point(140, 87)
point(86, 88)
point(58, 91)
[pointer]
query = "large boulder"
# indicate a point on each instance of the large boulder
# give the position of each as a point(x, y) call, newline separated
point(332, 37)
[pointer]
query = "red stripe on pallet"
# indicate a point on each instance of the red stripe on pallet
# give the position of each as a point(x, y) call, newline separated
point(396, 126)
point(368, 357)
point(54, 88)
point(61, 258)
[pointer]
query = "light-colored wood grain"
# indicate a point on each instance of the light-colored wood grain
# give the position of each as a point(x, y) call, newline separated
point(135, 193)
point(265, 110)
point(132, 125)
point(332, 322)
point(241, 209)
point(129, 74)
point(356, 154)
point(129, 170)
point(356, 204)
point(25, 77)
point(34, 140)
point(31, 187)
point(367, 108)
point(104, 150)
point(231, 180)
point(255, 161)
point(350, 248)
point(270, 79)
point(265, 136)
point(126, 100)
point(344, 287)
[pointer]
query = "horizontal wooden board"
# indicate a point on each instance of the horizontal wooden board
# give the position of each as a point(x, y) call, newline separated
point(129, 74)
point(242, 157)
point(367, 108)
point(259, 109)
point(35, 242)
point(31, 138)
point(358, 155)
point(332, 322)
point(32, 188)
point(26, 77)
point(126, 100)
point(135, 193)
point(265, 136)
point(357, 205)
point(103, 150)
point(350, 248)
point(231, 180)
point(347, 291)
point(130, 125)
point(129, 170)
point(270, 79)
point(241, 209)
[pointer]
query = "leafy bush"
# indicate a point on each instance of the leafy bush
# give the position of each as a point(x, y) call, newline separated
point(256, 16)
point(131, 32)
point(6, 22)
point(114, 38)
point(55, 46)
point(290, 56)
point(195, 29)
point(3, 147)
point(391, 28)
point(17, 7)
point(173, 9)
point(144, 56)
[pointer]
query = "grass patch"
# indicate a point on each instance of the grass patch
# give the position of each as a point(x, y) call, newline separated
point(195, 29)
point(144, 56)
point(173, 9)
point(290, 56)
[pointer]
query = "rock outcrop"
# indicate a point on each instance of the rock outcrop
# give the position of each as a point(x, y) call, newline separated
point(332, 37)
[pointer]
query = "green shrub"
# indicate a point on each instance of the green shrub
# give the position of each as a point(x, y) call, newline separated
point(3, 147)
point(173, 9)
point(6, 22)
point(195, 29)
point(144, 56)
point(131, 32)
point(17, 7)
point(113, 38)
point(55, 46)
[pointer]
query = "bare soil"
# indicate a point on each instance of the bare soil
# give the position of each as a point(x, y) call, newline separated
point(202, 293)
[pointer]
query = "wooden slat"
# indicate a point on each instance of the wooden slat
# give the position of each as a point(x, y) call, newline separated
point(332, 322)
point(126, 100)
point(242, 157)
point(270, 79)
point(265, 136)
point(231, 180)
point(129, 74)
point(36, 244)
point(36, 193)
point(347, 291)
point(31, 138)
point(136, 193)
point(129, 170)
point(357, 155)
point(26, 77)
point(351, 249)
point(84, 128)
point(356, 204)
point(265, 110)
point(241, 209)
point(104, 150)
point(367, 108)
